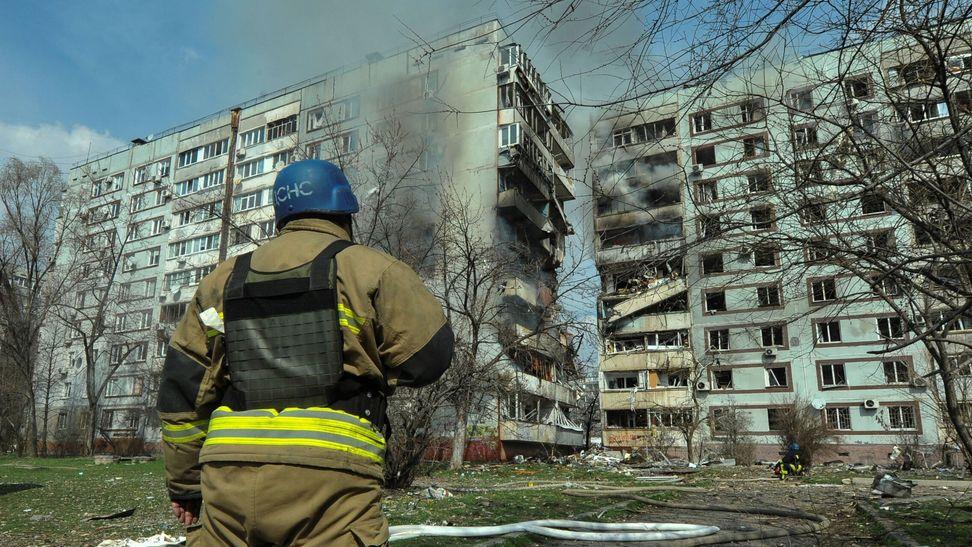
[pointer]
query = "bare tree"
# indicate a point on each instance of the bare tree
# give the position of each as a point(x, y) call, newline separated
point(32, 282)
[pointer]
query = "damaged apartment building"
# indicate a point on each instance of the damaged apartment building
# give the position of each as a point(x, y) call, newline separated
point(160, 202)
point(711, 299)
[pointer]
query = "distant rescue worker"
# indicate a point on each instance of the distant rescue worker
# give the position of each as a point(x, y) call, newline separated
point(273, 392)
point(790, 463)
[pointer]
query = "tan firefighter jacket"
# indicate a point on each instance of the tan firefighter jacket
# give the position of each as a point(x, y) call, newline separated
point(394, 334)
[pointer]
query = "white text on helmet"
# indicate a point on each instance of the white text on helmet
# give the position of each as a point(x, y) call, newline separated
point(294, 190)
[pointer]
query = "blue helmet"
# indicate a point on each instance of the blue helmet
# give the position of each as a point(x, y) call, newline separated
point(312, 186)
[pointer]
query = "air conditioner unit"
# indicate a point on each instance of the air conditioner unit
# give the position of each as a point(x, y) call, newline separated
point(166, 194)
point(918, 381)
point(697, 168)
point(241, 152)
point(702, 386)
point(182, 262)
point(770, 352)
point(503, 69)
point(163, 298)
point(871, 404)
point(166, 227)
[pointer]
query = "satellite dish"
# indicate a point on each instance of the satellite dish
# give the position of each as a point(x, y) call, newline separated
point(818, 404)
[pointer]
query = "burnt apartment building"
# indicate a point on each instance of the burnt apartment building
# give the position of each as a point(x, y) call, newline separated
point(720, 219)
point(480, 120)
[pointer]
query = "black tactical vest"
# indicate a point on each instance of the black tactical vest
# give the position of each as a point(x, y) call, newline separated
point(283, 336)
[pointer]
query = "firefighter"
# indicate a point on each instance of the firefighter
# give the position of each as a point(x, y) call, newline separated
point(273, 392)
point(790, 463)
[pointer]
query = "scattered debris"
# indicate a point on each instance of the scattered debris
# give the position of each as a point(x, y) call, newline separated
point(518, 459)
point(41, 518)
point(101, 459)
point(158, 540)
point(721, 462)
point(118, 515)
point(436, 493)
point(888, 485)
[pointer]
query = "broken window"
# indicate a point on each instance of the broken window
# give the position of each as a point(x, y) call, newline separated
point(754, 146)
point(802, 99)
point(924, 111)
point(767, 297)
point(765, 255)
point(282, 127)
point(832, 375)
point(805, 137)
point(702, 122)
point(719, 339)
point(625, 380)
point(890, 327)
point(808, 172)
point(872, 204)
point(626, 418)
point(656, 130)
point(622, 137)
point(774, 418)
point(818, 251)
point(707, 191)
point(772, 336)
point(865, 124)
point(710, 226)
point(813, 212)
point(669, 418)
point(762, 218)
point(776, 377)
point(715, 301)
point(759, 182)
point(838, 417)
point(624, 345)
point(901, 417)
point(705, 155)
point(722, 379)
point(961, 364)
point(828, 332)
point(712, 263)
point(751, 111)
point(883, 286)
point(896, 372)
point(879, 242)
point(667, 339)
point(857, 88)
point(676, 378)
point(824, 290)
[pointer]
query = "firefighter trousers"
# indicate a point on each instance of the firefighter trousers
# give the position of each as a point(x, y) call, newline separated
point(263, 504)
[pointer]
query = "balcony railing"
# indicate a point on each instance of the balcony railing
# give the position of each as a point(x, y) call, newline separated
point(513, 202)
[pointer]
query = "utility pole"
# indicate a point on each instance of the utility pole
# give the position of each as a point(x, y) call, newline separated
point(227, 213)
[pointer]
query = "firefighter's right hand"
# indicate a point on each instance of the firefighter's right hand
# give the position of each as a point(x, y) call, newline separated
point(186, 511)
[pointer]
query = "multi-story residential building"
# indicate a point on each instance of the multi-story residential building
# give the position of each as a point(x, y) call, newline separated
point(720, 217)
point(474, 107)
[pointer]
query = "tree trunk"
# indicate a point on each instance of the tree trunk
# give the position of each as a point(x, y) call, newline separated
point(458, 440)
point(31, 426)
point(47, 415)
point(689, 447)
point(89, 440)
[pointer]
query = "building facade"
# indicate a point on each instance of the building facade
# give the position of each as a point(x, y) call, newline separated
point(715, 294)
point(469, 105)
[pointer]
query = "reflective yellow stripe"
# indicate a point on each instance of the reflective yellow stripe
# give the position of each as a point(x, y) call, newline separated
point(184, 433)
point(346, 324)
point(315, 426)
point(294, 442)
point(349, 313)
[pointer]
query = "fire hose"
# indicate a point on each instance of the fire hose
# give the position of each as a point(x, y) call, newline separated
point(674, 534)
point(564, 529)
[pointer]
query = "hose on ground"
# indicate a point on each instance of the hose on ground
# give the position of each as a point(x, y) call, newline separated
point(564, 529)
point(817, 522)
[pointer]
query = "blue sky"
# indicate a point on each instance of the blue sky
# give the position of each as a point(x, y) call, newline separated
point(86, 77)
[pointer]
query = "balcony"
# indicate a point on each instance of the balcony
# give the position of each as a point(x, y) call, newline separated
point(560, 149)
point(651, 360)
point(645, 398)
point(644, 251)
point(515, 430)
point(661, 290)
point(548, 390)
point(654, 323)
point(565, 186)
point(512, 203)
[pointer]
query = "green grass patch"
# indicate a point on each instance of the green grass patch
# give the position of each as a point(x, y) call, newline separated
point(936, 522)
point(45, 501)
point(63, 492)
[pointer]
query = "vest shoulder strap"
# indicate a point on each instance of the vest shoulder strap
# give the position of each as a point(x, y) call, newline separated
point(321, 274)
point(234, 287)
